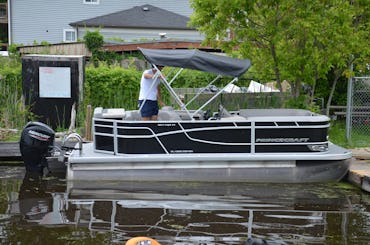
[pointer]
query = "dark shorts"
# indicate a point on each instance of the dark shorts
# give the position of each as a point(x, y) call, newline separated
point(149, 109)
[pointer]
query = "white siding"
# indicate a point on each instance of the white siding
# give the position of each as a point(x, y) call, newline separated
point(45, 20)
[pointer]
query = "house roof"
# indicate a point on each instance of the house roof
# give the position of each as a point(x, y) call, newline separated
point(145, 16)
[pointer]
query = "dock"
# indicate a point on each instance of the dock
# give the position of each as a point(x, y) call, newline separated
point(358, 175)
point(9, 151)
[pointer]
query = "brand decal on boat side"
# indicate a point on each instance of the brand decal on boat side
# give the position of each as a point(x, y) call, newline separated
point(182, 151)
point(282, 140)
point(39, 136)
point(166, 124)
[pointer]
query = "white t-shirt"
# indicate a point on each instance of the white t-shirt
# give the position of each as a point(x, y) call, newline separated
point(148, 90)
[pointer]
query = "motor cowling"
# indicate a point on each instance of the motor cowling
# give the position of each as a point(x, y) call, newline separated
point(37, 140)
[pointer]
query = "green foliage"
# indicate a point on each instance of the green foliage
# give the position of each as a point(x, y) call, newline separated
point(297, 41)
point(340, 94)
point(12, 111)
point(111, 87)
point(108, 57)
point(116, 39)
point(93, 40)
point(192, 79)
point(300, 103)
point(45, 43)
point(337, 135)
point(13, 52)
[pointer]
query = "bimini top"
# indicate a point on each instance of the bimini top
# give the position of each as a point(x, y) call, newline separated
point(197, 60)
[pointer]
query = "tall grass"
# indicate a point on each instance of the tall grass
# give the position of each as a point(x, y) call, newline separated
point(12, 111)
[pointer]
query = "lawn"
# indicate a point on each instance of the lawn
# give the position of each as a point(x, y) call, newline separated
point(360, 136)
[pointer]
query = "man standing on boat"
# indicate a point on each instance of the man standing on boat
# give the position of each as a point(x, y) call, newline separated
point(150, 94)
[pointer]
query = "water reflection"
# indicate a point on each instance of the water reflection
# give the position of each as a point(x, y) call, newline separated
point(42, 201)
point(51, 209)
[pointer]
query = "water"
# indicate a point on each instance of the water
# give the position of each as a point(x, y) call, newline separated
point(53, 211)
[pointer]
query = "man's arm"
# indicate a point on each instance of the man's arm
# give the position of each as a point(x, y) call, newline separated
point(148, 75)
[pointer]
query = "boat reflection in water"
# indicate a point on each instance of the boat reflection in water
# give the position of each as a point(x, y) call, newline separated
point(189, 212)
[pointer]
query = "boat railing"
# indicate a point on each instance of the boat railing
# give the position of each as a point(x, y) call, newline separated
point(265, 128)
point(69, 138)
point(166, 113)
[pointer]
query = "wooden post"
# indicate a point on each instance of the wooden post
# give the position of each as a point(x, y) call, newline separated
point(88, 136)
point(72, 125)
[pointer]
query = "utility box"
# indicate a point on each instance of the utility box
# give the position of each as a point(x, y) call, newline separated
point(52, 84)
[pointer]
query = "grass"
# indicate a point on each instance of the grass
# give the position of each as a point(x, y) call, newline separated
point(359, 137)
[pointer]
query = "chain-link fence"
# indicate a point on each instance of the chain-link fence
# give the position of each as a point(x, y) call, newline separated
point(358, 115)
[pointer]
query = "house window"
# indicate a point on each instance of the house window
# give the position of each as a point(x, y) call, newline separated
point(69, 35)
point(91, 1)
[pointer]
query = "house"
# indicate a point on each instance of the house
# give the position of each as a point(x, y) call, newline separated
point(64, 21)
point(145, 22)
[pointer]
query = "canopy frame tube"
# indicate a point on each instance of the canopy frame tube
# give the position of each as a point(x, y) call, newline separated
point(197, 60)
point(202, 90)
point(215, 96)
point(183, 106)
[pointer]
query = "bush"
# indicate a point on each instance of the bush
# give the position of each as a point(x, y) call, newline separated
point(111, 87)
point(93, 40)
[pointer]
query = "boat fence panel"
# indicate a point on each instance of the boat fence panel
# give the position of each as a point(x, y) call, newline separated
point(248, 131)
point(231, 100)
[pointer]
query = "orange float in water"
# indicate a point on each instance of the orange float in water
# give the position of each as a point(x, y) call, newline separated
point(142, 241)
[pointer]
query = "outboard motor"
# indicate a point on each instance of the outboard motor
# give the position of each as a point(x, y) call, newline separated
point(37, 141)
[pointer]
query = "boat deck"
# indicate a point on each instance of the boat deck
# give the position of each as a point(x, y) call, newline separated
point(89, 155)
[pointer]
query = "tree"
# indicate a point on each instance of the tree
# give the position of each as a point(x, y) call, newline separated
point(352, 45)
point(297, 41)
point(94, 41)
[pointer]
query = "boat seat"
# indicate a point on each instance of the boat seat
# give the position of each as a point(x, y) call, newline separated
point(133, 115)
point(168, 116)
point(167, 113)
point(233, 118)
point(274, 113)
point(185, 116)
point(109, 113)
